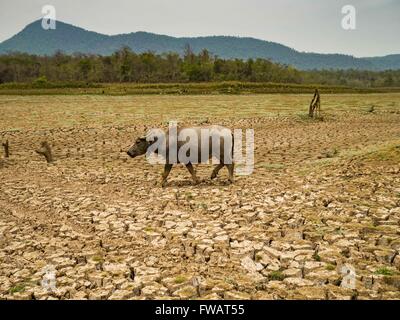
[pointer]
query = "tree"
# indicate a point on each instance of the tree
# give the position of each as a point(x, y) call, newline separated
point(85, 66)
point(188, 55)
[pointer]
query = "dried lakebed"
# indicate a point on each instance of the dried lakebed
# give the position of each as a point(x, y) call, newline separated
point(324, 199)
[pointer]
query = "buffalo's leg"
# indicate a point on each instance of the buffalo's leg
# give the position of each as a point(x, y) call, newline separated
point(231, 168)
point(216, 170)
point(189, 166)
point(167, 170)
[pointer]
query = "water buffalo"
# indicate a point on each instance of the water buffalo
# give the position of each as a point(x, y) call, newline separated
point(192, 146)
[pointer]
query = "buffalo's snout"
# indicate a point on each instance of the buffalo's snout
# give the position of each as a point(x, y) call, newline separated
point(130, 153)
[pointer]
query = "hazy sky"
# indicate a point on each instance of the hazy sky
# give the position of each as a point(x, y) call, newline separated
point(305, 25)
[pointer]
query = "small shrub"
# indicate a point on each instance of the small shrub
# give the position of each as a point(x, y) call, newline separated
point(180, 279)
point(41, 82)
point(276, 275)
point(203, 206)
point(98, 258)
point(20, 287)
point(384, 271)
point(316, 257)
point(189, 196)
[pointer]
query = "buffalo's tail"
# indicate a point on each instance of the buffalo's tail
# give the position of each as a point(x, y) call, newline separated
point(233, 148)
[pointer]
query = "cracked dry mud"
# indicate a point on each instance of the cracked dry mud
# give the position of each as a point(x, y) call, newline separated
point(323, 195)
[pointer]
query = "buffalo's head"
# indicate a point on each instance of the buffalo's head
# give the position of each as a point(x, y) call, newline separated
point(138, 148)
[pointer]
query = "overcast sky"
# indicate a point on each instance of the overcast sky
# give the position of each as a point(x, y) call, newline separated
point(305, 25)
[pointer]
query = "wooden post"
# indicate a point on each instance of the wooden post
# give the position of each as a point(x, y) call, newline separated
point(6, 149)
point(315, 105)
point(311, 109)
point(45, 151)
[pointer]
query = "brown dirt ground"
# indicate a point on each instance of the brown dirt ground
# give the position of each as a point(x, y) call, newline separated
point(323, 195)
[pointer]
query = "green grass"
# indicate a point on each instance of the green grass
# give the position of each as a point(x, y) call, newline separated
point(225, 87)
point(203, 206)
point(97, 258)
point(180, 279)
point(381, 152)
point(189, 196)
point(316, 257)
point(330, 267)
point(20, 287)
point(306, 118)
point(276, 275)
point(384, 271)
point(45, 111)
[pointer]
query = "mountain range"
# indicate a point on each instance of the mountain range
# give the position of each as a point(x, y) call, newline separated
point(33, 39)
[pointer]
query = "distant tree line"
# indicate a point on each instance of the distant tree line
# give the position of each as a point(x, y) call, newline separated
point(127, 66)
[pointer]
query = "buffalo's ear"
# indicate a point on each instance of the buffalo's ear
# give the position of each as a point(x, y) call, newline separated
point(152, 139)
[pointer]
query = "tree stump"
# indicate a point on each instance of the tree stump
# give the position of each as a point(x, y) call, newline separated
point(6, 149)
point(45, 151)
point(315, 105)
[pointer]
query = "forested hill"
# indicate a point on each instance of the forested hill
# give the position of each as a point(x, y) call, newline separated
point(33, 39)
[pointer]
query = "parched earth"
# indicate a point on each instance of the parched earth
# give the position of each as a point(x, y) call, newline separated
point(319, 218)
